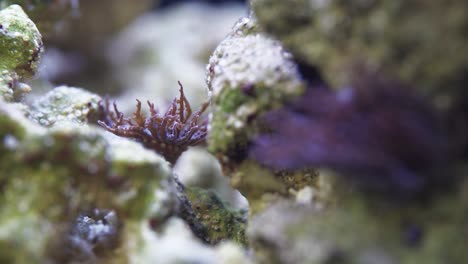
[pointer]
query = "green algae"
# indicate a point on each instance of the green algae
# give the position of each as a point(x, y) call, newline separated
point(20, 41)
point(219, 221)
point(70, 169)
point(20, 51)
point(262, 186)
point(74, 168)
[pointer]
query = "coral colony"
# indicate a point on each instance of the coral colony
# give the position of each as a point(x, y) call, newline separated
point(169, 134)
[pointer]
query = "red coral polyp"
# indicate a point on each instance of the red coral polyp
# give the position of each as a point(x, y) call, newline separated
point(169, 134)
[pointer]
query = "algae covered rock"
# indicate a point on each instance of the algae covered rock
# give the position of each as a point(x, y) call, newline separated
point(71, 170)
point(88, 196)
point(20, 50)
point(355, 232)
point(248, 74)
point(218, 220)
point(20, 41)
point(66, 103)
point(422, 43)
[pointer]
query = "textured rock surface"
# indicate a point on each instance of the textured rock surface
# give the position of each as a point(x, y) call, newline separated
point(247, 74)
point(20, 50)
point(220, 221)
point(66, 103)
point(71, 170)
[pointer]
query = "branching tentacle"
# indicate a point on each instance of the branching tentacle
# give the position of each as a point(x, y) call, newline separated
point(169, 134)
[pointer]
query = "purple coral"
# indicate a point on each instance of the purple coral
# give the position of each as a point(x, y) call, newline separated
point(376, 131)
point(169, 134)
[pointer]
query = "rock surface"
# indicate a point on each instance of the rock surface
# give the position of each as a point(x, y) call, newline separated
point(20, 52)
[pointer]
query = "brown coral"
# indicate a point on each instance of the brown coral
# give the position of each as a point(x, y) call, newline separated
point(169, 134)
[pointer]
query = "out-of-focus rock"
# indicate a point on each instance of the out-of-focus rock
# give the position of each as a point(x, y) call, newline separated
point(197, 167)
point(92, 22)
point(355, 232)
point(421, 43)
point(45, 13)
point(81, 35)
point(176, 244)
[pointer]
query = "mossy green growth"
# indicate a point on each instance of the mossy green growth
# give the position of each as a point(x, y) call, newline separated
point(360, 231)
point(20, 50)
point(220, 221)
point(20, 42)
point(248, 74)
point(420, 42)
point(49, 176)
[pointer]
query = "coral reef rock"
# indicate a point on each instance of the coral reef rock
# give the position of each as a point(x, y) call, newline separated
point(249, 74)
point(20, 51)
point(71, 170)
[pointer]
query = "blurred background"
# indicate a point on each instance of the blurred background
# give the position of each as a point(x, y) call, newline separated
point(135, 49)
